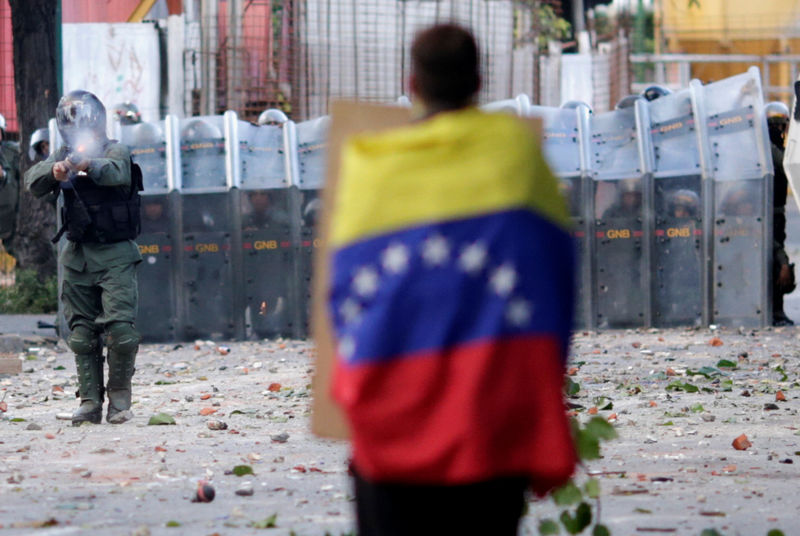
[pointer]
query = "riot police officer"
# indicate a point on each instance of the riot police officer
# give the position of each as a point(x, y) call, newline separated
point(9, 185)
point(783, 281)
point(99, 289)
point(683, 204)
point(127, 113)
point(39, 146)
point(654, 92)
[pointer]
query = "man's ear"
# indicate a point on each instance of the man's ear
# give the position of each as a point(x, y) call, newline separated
point(413, 85)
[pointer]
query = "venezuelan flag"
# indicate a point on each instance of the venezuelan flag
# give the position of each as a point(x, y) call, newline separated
point(451, 299)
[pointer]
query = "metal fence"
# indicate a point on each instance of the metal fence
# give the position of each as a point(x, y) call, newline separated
point(778, 71)
point(298, 55)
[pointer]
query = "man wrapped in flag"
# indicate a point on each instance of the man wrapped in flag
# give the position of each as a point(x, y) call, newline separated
point(451, 298)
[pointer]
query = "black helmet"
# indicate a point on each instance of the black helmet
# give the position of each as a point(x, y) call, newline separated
point(197, 129)
point(777, 113)
point(127, 113)
point(654, 92)
point(80, 114)
point(627, 102)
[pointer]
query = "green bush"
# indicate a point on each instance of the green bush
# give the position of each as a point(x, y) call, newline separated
point(29, 295)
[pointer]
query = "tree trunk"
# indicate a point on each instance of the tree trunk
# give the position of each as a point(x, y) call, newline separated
point(34, 25)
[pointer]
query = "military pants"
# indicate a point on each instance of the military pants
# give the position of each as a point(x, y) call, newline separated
point(95, 299)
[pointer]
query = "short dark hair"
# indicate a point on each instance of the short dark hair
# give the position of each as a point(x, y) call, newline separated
point(444, 60)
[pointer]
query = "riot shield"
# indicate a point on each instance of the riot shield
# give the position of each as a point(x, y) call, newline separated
point(207, 272)
point(268, 260)
point(311, 145)
point(564, 137)
point(207, 216)
point(202, 148)
point(157, 316)
point(677, 246)
point(740, 195)
point(618, 234)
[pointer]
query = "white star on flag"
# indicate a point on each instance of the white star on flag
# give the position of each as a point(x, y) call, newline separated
point(347, 347)
point(365, 282)
point(503, 279)
point(518, 312)
point(395, 258)
point(350, 310)
point(473, 258)
point(435, 250)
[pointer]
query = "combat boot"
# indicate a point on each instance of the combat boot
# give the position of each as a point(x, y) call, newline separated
point(123, 343)
point(90, 389)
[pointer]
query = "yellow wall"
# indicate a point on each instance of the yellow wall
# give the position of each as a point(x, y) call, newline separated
point(761, 27)
point(729, 19)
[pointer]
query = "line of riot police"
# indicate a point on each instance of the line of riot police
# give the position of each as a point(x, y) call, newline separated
point(228, 213)
point(671, 198)
point(670, 195)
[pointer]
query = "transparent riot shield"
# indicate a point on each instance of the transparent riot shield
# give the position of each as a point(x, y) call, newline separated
point(564, 138)
point(207, 218)
point(618, 235)
point(739, 193)
point(158, 240)
point(677, 245)
point(268, 260)
point(311, 139)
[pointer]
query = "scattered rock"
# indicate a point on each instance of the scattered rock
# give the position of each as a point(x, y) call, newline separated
point(279, 438)
point(217, 425)
point(741, 443)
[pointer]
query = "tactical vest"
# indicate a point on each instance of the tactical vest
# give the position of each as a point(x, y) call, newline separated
point(101, 214)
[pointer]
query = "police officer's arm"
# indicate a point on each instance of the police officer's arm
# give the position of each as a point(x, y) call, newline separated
point(114, 169)
point(39, 178)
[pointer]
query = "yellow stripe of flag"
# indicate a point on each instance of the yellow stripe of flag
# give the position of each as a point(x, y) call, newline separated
point(453, 166)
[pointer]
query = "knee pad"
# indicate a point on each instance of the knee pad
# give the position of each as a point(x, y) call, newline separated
point(83, 341)
point(122, 338)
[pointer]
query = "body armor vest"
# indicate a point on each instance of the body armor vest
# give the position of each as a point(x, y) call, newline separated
point(100, 214)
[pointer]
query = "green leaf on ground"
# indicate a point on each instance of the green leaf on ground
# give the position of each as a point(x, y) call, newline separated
point(603, 403)
point(697, 408)
point(241, 470)
point(268, 523)
point(572, 387)
point(161, 418)
point(775, 532)
point(682, 386)
point(779, 369)
point(726, 363)
point(173, 523)
point(710, 532)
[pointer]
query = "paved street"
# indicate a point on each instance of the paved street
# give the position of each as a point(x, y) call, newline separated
point(673, 469)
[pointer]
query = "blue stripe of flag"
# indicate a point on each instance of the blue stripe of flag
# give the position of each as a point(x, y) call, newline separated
point(399, 308)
